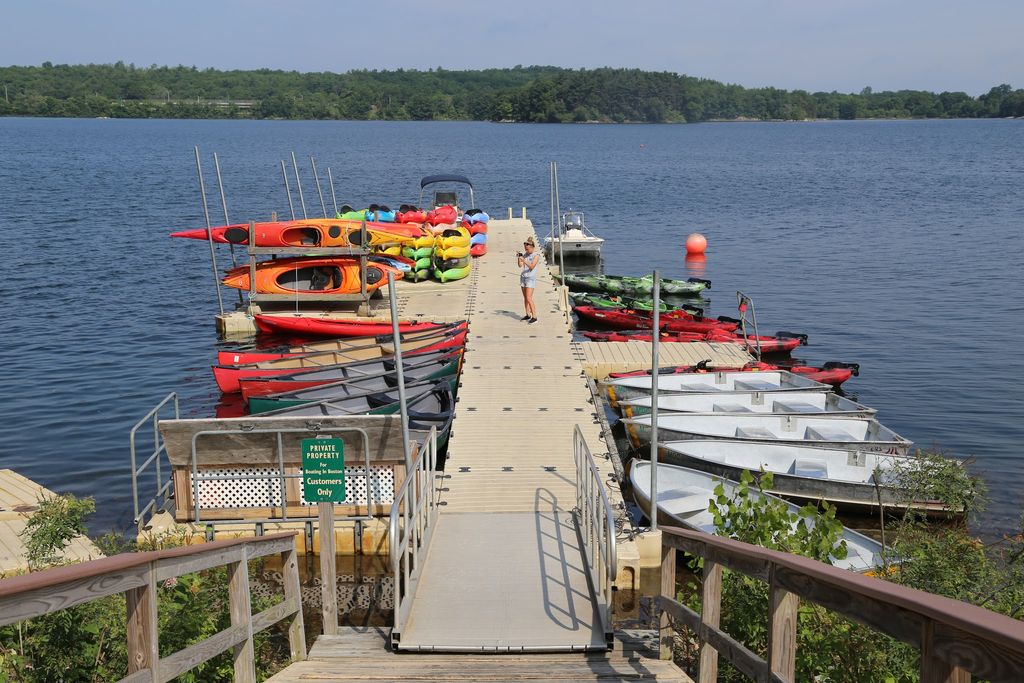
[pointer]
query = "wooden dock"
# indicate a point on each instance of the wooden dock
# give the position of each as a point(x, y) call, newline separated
point(19, 498)
point(363, 655)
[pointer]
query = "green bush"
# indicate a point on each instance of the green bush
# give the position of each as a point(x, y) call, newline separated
point(87, 642)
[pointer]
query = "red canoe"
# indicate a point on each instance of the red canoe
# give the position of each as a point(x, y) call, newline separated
point(262, 386)
point(303, 326)
point(673, 321)
point(785, 342)
point(229, 376)
point(832, 372)
point(341, 344)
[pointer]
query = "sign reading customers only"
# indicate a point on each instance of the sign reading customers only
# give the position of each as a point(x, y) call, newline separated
point(323, 470)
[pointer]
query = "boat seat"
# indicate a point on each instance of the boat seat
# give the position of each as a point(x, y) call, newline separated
point(794, 407)
point(684, 501)
point(827, 434)
point(808, 467)
point(701, 388)
point(730, 408)
point(754, 433)
point(754, 385)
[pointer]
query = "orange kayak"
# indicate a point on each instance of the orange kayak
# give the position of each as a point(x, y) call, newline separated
point(317, 232)
point(310, 276)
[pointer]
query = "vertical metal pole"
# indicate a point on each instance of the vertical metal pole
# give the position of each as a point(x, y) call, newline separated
point(316, 178)
point(558, 217)
point(287, 189)
point(227, 221)
point(334, 198)
point(298, 184)
point(209, 231)
point(654, 400)
point(551, 201)
point(400, 373)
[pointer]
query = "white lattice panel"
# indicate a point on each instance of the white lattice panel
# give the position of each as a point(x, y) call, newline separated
point(263, 493)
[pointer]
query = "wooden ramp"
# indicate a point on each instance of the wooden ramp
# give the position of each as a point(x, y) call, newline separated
point(19, 498)
point(361, 655)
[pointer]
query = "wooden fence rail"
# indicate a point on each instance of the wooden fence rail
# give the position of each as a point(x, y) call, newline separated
point(137, 576)
point(955, 639)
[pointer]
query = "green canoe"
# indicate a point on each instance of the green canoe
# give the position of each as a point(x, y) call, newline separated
point(617, 302)
point(624, 284)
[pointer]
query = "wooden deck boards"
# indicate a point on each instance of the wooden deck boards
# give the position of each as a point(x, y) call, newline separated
point(356, 655)
point(19, 497)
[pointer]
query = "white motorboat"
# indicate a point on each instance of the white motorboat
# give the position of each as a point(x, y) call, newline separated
point(573, 238)
point(684, 496)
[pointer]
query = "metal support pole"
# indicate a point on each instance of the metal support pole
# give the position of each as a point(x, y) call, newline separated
point(287, 189)
point(209, 231)
point(654, 400)
point(298, 185)
point(558, 217)
point(316, 179)
point(334, 198)
point(551, 202)
point(224, 205)
point(400, 372)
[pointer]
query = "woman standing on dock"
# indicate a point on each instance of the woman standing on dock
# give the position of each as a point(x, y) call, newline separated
point(528, 277)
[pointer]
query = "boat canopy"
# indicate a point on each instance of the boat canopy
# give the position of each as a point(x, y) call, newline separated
point(445, 178)
point(442, 197)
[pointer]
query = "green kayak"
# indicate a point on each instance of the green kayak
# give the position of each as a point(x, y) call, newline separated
point(624, 284)
point(616, 302)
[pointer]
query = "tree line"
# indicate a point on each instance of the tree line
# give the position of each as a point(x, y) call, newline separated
point(539, 94)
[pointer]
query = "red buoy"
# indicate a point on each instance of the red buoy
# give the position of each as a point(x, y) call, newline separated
point(696, 244)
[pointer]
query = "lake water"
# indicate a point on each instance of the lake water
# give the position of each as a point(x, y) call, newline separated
point(895, 244)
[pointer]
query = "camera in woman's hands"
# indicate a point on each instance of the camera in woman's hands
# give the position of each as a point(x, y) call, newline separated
point(519, 254)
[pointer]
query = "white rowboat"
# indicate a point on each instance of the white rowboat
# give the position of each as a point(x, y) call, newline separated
point(684, 496)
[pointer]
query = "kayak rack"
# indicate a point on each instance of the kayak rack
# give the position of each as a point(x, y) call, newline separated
point(363, 253)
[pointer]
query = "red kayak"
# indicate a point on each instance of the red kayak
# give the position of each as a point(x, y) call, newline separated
point(303, 326)
point(441, 215)
point(478, 250)
point(784, 342)
point(341, 344)
point(672, 321)
point(832, 372)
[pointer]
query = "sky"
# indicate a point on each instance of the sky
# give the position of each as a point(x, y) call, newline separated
point(816, 45)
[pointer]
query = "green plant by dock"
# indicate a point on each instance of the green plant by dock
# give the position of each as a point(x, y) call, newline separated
point(87, 643)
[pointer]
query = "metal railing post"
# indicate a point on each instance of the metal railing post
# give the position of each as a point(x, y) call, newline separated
point(399, 370)
point(298, 184)
point(655, 374)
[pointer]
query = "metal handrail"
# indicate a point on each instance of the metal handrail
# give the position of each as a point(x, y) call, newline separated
point(413, 517)
point(280, 476)
point(159, 449)
point(596, 523)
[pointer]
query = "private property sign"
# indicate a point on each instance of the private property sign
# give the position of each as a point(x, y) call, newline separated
point(323, 470)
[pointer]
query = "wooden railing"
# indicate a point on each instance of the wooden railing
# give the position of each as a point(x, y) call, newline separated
point(137, 576)
point(955, 639)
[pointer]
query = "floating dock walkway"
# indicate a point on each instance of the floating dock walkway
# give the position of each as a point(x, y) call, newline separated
point(506, 569)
